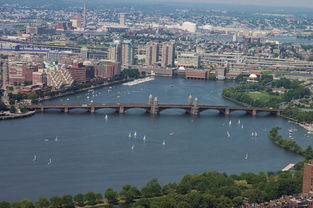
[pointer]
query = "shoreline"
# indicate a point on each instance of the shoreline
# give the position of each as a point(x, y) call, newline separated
point(82, 90)
point(17, 116)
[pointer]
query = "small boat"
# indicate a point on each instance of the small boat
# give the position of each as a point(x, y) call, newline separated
point(228, 134)
point(255, 134)
point(132, 147)
point(239, 122)
point(67, 99)
point(50, 161)
point(130, 135)
point(252, 134)
point(91, 101)
point(35, 158)
point(46, 140)
point(242, 126)
point(135, 134)
point(144, 138)
point(171, 133)
point(163, 143)
point(56, 139)
point(229, 123)
point(106, 117)
point(88, 97)
point(246, 156)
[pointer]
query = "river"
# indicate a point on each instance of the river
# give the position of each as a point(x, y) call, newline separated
point(92, 153)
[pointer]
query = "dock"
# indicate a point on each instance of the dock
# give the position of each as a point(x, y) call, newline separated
point(288, 167)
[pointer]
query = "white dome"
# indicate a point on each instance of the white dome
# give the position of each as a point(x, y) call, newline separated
point(253, 76)
point(181, 68)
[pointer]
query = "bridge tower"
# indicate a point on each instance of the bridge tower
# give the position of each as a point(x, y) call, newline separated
point(195, 108)
point(150, 99)
point(190, 100)
point(154, 110)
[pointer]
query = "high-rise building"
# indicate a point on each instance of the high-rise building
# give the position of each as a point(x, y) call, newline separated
point(76, 21)
point(168, 54)
point(122, 19)
point(307, 186)
point(127, 53)
point(115, 51)
point(152, 53)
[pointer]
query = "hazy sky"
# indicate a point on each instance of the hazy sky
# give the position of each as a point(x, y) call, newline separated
point(283, 3)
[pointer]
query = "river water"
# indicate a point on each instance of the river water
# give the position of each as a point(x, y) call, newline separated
point(92, 153)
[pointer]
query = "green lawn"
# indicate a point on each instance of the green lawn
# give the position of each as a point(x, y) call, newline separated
point(261, 96)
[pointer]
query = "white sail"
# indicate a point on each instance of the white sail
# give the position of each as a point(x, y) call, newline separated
point(239, 122)
point(228, 134)
point(35, 158)
point(242, 126)
point(56, 139)
point(135, 134)
point(246, 156)
point(132, 147)
point(144, 138)
point(252, 134)
point(229, 123)
point(50, 161)
point(130, 135)
point(163, 143)
point(106, 117)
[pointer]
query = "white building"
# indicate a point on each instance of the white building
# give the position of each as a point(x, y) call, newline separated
point(189, 26)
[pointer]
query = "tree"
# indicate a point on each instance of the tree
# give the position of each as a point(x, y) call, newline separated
point(111, 196)
point(12, 109)
point(55, 202)
point(27, 204)
point(90, 197)
point(67, 201)
point(3, 107)
point(42, 203)
point(99, 197)
point(79, 200)
point(16, 204)
point(128, 193)
point(152, 189)
point(4, 204)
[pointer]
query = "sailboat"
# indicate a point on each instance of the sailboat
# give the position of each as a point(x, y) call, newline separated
point(50, 161)
point(229, 123)
point(246, 156)
point(135, 134)
point(130, 135)
point(242, 126)
point(252, 134)
point(132, 147)
point(144, 138)
point(228, 134)
point(56, 139)
point(35, 158)
point(239, 122)
point(106, 117)
point(255, 134)
point(163, 143)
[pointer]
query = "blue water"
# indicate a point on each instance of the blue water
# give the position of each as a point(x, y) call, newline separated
point(92, 153)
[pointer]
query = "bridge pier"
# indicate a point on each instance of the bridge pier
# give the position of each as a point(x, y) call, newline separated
point(65, 110)
point(253, 112)
point(154, 110)
point(226, 112)
point(195, 108)
point(92, 110)
point(121, 110)
point(42, 109)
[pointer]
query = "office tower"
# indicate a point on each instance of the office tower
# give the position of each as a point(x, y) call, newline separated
point(127, 53)
point(76, 21)
point(152, 53)
point(115, 51)
point(235, 37)
point(85, 14)
point(122, 19)
point(84, 53)
point(307, 186)
point(168, 54)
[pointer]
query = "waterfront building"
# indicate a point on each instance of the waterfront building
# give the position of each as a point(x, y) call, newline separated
point(152, 53)
point(107, 69)
point(168, 54)
point(40, 78)
point(81, 73)
point(307, 186)
point(188, 60)
point(20, 72)
point(196, 74)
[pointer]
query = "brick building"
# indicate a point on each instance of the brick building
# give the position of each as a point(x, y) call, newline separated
point(307, 186)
